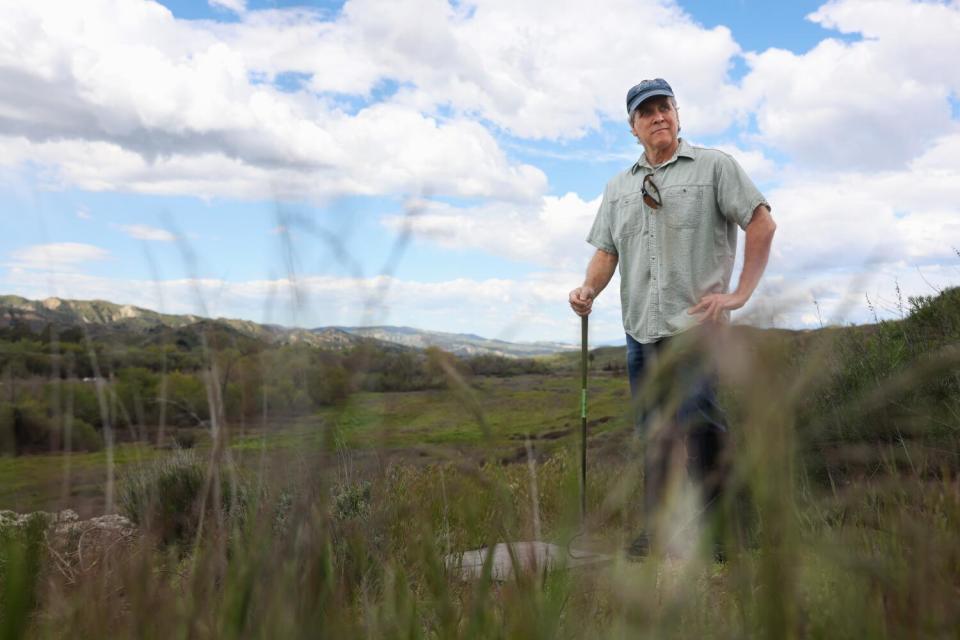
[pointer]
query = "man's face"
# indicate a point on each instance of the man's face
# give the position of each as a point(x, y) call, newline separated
point(656, 123)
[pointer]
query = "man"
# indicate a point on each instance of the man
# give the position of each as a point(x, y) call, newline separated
point(670, 223)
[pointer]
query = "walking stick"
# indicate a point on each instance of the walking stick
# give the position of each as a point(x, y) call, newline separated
point(583, 420)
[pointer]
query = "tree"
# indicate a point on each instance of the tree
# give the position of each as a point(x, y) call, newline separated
point(186, 400)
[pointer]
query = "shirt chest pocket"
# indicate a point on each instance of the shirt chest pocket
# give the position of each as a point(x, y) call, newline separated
point(629, 215)
point(683, 206)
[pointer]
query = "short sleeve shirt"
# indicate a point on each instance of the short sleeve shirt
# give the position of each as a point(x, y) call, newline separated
point(670, 257)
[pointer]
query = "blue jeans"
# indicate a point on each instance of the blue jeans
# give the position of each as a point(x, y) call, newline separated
point(674, 391)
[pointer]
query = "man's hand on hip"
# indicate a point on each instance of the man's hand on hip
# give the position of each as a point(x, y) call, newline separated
point(711, 306)
point(581, 300)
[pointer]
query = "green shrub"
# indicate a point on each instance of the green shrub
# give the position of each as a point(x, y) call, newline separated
point(187, 400)
point(166, 497)
point(136, 389)
point(185, 438)
point(490, 365)
point(25, 427)
point(31, 426)
point(352, 500)
point(8, 441)
point(78, 398)
point(84, 437)
point(329, 385)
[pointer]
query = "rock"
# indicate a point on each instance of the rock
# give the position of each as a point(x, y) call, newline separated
point(67, 515)
point(70, 534)
point(76, 544)
point(116, 524)
point(16, 521)
point(510, 558)
point(76, 547)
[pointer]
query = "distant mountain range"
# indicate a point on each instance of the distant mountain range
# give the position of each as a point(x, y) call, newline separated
point(102, 318)
point(456, 343)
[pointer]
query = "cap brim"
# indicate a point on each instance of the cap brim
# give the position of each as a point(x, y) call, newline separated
point(646, 96)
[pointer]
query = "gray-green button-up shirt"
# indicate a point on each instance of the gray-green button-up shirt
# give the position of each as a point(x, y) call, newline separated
point(670, 257)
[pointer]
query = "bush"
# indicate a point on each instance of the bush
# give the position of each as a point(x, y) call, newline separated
point(866, 358)
point(490, 365)
point(187, 399)
point(8, 441)
point(25, 427)
point(185, 438)
point(84, 437)
point(31, 426)
point(352, 500)
point(84, 403)
point(329, 385)
point(136, 389)
point(166, 498)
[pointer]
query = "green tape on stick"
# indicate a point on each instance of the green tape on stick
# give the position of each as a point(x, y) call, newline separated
point(583, 403)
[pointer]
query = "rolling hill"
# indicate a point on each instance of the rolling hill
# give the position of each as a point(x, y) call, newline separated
point(102, 318)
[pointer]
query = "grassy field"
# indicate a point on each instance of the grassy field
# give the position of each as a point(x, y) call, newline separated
point(841, 519)
point(60, 481)
point(489, 424)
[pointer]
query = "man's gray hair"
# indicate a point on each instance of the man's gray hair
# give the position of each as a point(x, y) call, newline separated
point(630, 118)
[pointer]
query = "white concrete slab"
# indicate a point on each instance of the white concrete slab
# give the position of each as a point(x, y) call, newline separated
point(510, 558)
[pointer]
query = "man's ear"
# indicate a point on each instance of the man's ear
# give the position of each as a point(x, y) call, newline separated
point(633, 128)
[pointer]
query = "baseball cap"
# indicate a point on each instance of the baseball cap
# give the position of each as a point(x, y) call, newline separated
point(647, 89)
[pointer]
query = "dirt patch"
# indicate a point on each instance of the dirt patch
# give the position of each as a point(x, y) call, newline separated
point(599, 421)
point(549, 435)
point(520, 455)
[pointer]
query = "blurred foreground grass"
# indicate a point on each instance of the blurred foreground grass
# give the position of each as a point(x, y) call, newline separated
point(844, 509)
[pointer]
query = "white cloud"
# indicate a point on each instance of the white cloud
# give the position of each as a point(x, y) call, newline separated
point(843, 236)
point(130, 76)
point(530, 68)
point(122, 96)
point(146, 232)
point(549, 234)
point(237, 6)
point(84, 214)
point(918, 52)
point(56, 256)
point(853, 219)
point(459, 163)
point(943, 155)
point(758, 166)
point(188, 102)
point(846, 296)
point(545, 69)
point(871, 104)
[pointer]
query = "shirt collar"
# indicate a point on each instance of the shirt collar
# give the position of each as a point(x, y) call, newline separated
point(683, 150)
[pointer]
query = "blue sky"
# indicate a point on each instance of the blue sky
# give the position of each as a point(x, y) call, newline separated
point(436, 165)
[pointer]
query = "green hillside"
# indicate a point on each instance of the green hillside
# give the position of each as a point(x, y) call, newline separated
point(108, 320)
